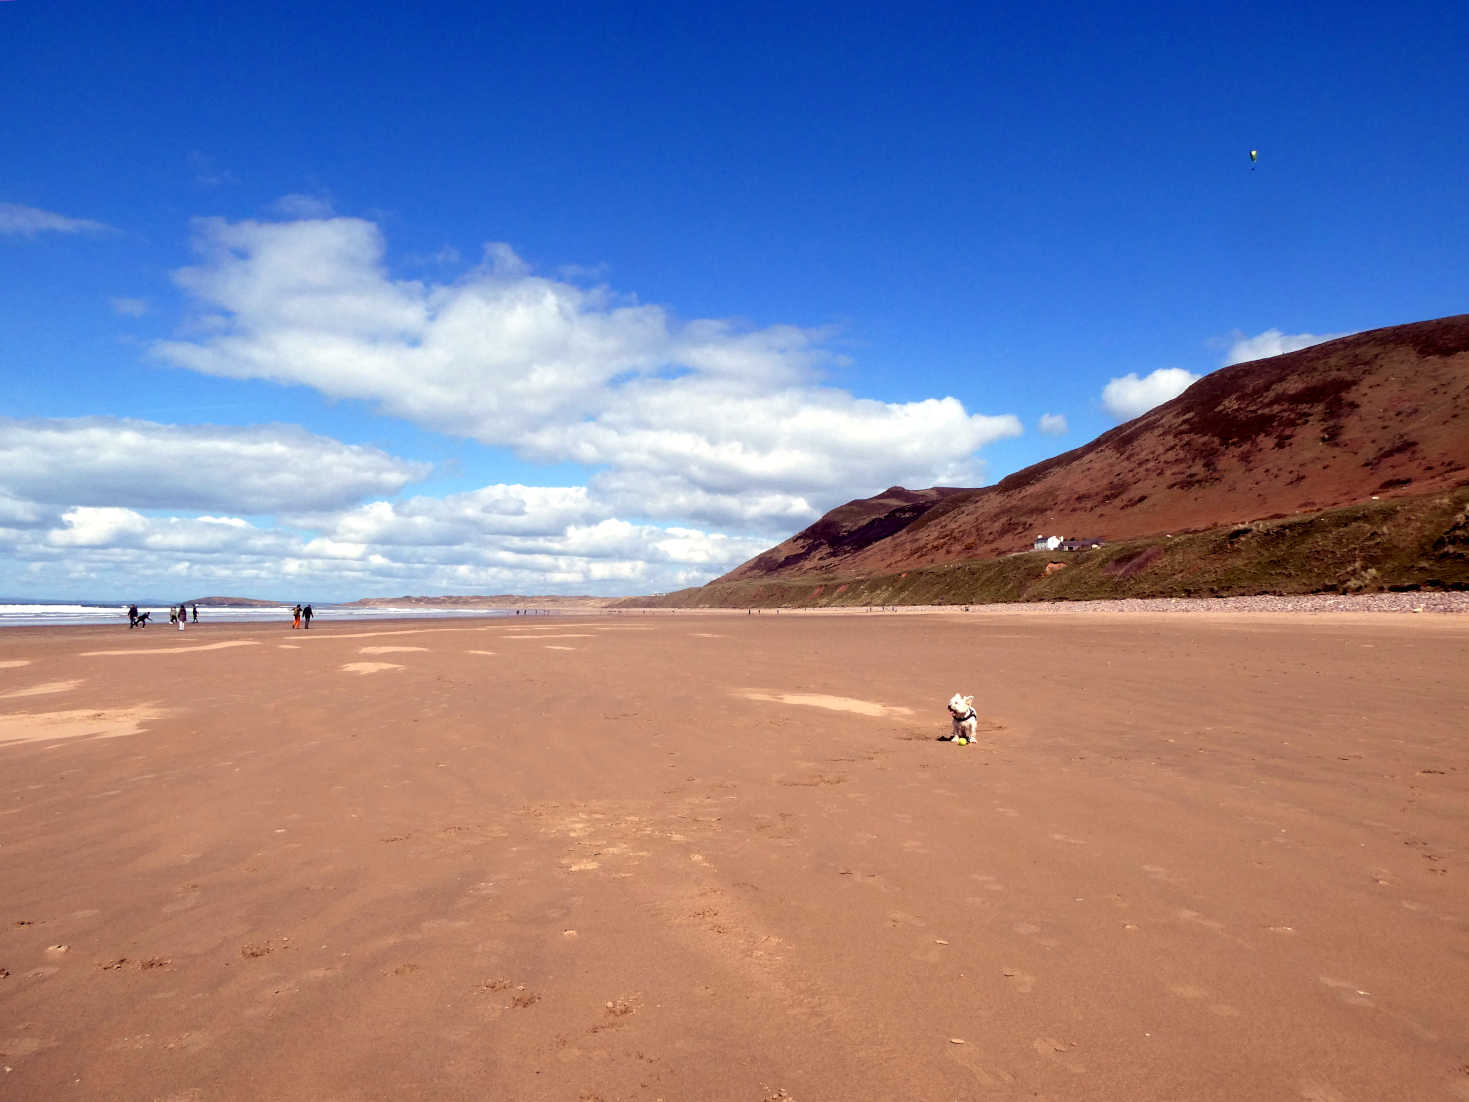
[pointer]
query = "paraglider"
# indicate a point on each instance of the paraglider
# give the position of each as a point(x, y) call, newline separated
point(1254, 153)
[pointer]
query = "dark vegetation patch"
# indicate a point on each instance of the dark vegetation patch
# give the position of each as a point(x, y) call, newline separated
point(1453, 545)
point(1235, 417)
point(834, 536)
point(1399, 447)
point(1438, 338)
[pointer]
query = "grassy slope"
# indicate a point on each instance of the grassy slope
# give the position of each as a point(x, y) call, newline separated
point(1403, 543)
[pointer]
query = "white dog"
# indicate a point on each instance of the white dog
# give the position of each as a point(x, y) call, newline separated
point(966, 722)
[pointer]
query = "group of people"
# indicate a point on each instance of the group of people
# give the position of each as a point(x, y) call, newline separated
point(179, 616)
point(301, 617)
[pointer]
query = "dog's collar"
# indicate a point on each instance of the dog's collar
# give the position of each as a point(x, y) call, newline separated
point(961, 719)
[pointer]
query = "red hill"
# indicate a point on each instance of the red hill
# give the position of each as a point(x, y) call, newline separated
point(1380, 413)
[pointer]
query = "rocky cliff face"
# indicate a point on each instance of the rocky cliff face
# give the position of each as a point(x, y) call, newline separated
point(1380, 413)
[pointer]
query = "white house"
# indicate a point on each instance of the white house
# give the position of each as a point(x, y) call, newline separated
point(1047, 543)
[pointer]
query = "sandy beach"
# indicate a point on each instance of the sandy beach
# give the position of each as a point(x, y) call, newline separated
point(717, 856)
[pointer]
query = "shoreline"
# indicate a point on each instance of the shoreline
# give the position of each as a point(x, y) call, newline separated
point(1435, 604)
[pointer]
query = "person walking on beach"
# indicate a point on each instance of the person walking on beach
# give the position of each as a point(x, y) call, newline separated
point(295, 617)
point(196, 614)
point(132, 617)
point(306, 615)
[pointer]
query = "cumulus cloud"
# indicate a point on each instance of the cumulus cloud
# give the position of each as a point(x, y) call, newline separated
point(698, 411)
point(17, 512)
point(472, 552)
point(1129, 396)
point(113, 528)
point(1053, 424)
point(464, 518)
point(20, 221)
point(1272, 342)
point(108, 461)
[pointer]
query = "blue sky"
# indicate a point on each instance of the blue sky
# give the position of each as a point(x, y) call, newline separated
point(327, 301)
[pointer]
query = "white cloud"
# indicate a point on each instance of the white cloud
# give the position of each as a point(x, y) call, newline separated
point(129, 307)
point(1129, 396)
point(705, 439)
point(1272, 342)
point(607, 556)
point(668, 496)
point(705, 413)
point(108, 461)
point(100, 527)
point(499, 538)
point(726, 437)
point(1053, 424)
point(20, 221)
point(16, 512)
point(465, 518)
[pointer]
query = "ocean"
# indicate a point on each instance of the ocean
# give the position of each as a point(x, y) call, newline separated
point(55, 615)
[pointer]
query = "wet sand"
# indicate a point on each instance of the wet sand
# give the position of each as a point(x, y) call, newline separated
point(704, 856)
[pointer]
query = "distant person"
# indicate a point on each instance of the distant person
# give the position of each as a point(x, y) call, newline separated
point(132, 617)
point(173, 615)
point(183, 617)
point(295, 617)
point(196, 614)
point(306, 615)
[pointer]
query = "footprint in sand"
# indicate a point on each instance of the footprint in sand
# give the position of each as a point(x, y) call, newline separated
point(1189, 991)
point(987, 1076)
point(1058, 1052)
point(18, 1048)
point(1349, 992)
point(931, 953)
point(1023, 982)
